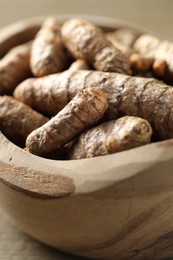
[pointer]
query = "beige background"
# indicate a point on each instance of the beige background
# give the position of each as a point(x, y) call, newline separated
point(154, 15)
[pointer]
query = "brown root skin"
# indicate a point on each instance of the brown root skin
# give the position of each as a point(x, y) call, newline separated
point(47, 53)
point(143, 97)
point(126, 36)
point(47, 94)
point(147, 74)
point(14, 68)
point(140, 63)
point(123, 39)
point(59, 154)
point(86, 41)
point(79, 65)
point(159, 67)
point(157, 49)
point(17, 120)
point(124, 49)
point(111, 137)
point(87, 107)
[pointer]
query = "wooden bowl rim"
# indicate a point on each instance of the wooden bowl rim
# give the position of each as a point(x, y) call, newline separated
point(44, 178)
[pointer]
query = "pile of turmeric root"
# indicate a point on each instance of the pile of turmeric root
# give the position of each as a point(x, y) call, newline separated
point(76, 91)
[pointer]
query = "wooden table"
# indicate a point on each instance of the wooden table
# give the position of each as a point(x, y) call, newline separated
point(16, 245)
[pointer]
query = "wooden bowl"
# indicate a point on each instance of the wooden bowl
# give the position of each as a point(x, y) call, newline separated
point(118, 206)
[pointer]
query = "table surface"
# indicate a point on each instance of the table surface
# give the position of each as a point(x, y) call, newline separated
point(155, 15)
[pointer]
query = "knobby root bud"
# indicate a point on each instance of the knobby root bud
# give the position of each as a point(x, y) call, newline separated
point(158, 50)
point(159, 67)
point(111, 137)
point(140, 63)
point(79, 65)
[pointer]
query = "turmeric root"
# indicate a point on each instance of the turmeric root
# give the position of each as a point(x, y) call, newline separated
point(123, 39)
point(158, 50)
point(159, 68)
point(47, 52)
point(46, 94)
point(79, 65)
point(145, 74)
point(113, 136)
point(147, 98)
point(86, 41)
point(14, 68)
point(17, 120)
point(59, 154)
point(140, 63)
point(85, 109)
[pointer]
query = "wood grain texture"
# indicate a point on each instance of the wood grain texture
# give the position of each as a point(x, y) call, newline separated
point(118, 206)
point(122, 206)
point(36, 183)
point(16, 245)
